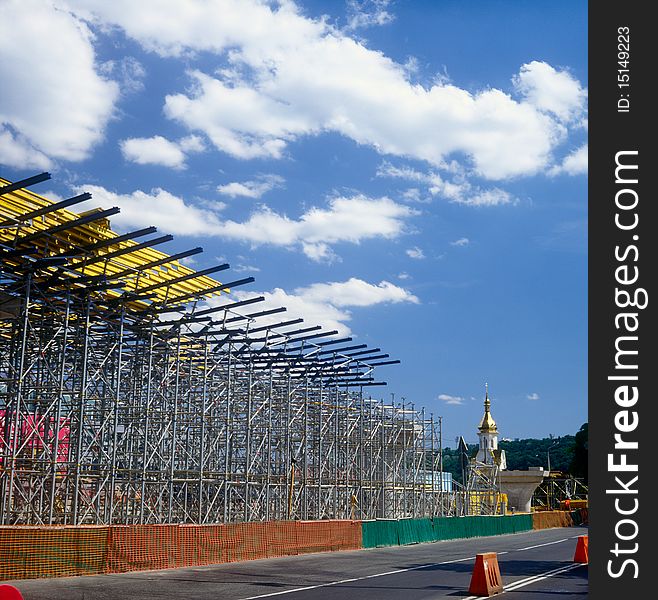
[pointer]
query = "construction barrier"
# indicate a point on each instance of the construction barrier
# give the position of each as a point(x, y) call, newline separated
point(581, 555)
point(140, 547)
point(42, 551)
point(486, 579)
point(389, 532)
point(56, 551)
point(580, 516)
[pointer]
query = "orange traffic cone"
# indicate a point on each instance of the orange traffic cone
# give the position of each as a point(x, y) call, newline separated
point(9, 592)
point(486, 580)
point(582, 553)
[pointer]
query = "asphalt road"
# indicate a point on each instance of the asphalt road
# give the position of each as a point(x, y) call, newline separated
point(534, 564)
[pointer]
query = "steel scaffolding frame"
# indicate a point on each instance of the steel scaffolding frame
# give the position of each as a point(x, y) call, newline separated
point(132, 392)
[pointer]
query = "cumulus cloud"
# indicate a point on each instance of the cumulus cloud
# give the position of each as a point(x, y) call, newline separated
point(16, 151)
point(448, 399)
point(575, 163)
point(328, 304)
point(47, 55)
point(158, 150)
point(354, 219)
point(290, 75)
point(251, 189)
point(356, 292)
point(168, 212)
point(552, 91)
point(533, 396)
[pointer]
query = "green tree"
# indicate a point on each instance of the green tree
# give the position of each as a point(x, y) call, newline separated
point(578, 466)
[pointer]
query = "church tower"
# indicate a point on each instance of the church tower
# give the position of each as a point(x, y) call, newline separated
point(488, 451)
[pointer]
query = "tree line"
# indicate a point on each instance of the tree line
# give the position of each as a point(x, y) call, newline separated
point(568, 454)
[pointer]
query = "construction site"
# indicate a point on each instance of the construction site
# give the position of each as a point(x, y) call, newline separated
point(136, 390)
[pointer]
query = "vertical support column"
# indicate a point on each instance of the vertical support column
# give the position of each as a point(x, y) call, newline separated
point(148, 410)
point(174, 432)
point(58, 412)
point(227, 436)
point(115, 421)
point(12, 417)
point(441, 464)
point(248, 442)
point(202, 433)
point(82, 398)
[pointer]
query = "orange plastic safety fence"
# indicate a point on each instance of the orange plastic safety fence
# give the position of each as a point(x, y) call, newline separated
point(51, 551)
point(551, 518)
point(324, 536)
point(142, 547)
point(28, 552)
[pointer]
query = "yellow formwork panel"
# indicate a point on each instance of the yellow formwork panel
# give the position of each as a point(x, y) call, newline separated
point(20, 202)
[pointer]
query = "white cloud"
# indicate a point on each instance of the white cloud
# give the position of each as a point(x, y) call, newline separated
point(169, 213)
point(356, 292)
point(533, 396)
point(327, 304)
point(128, 71)
point(345, 220)
point(575, 163)
point(404, 275)
point(16, 151)
point(251, 189)
point(552, 91)
point(415, 253)
point(367, 13)
point(53, 100)
point(352, 220)
point(242, 268)
point(191, 144)
point(458, 190)
point(461, 242)
point(290, 75)
point(153, 151)
point(412, 195)
point(456, 400)
point(158, 150)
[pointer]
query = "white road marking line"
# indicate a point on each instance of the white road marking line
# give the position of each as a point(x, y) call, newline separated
point(528, 580)
point(540, 545)
point(446, 562)
point(320, 585)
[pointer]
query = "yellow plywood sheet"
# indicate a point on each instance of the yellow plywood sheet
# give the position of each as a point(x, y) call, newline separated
point(20, 202)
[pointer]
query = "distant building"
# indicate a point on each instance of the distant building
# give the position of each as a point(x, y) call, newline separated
point(488, 451)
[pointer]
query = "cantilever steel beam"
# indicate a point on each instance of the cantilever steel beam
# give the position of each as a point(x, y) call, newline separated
point(24, 183)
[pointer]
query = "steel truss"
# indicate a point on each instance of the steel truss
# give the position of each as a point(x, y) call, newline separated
point(124, 400)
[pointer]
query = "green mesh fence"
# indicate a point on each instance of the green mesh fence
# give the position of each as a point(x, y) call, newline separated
point(380, 533)
point(411, 531)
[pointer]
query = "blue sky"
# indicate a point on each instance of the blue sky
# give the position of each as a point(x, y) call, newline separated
point(411, 173)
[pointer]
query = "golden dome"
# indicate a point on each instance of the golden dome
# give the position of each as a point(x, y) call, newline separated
point(487, 424)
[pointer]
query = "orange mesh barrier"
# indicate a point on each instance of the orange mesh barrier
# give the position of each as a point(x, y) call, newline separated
point(551, 518)
point(323, 536)
point(55, 551)
point(28, 552)
point(141, 547)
